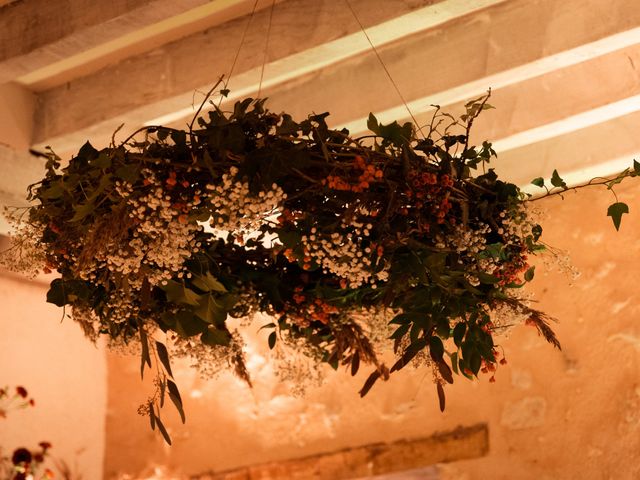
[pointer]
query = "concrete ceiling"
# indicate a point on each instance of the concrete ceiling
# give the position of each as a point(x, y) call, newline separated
point(563, 72)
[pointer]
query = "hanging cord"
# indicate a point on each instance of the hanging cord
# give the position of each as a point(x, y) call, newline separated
point(375, 50)
point(266, 47)
point(242, 39)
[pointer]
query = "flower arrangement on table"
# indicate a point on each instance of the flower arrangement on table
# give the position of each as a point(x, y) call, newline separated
point(23, 464)
point(250, 211)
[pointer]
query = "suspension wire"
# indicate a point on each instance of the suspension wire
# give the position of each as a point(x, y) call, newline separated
point(242, 39)
point(375, 50)
point(266, 47)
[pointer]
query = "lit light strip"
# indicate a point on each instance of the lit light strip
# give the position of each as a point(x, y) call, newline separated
point(583, 175)
point(569, 124)
point(503, 79)
point(333, 52)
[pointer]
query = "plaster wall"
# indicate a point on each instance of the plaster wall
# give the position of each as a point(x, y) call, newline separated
point(62, 371)
point(552, 414)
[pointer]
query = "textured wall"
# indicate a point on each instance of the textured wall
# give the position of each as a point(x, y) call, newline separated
point(65, 374)
point(551, 414)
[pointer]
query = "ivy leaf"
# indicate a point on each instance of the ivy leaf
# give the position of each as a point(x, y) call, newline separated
point(636, 167)
point(208, 283)
point(57, 294)
point(272, 340)
point(211, 310)
point(616, 211)
point(215, 336)
point(179, 293)
point(528, 275)
point(53, 192)
point(129, 173)
point(538, 182)
point(557, 181)
point(372, 124)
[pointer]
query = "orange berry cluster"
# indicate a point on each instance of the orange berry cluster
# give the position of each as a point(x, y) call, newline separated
point(369, 175)
point(314, 309)
point(432, 190)
point(291, 257)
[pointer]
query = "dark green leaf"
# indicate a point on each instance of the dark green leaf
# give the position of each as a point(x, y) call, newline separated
point(369, 383)
point(163, 355)
point(528, 275)
point(152, 416)
point(536, 231)
point(163, 430)
point(144, 343)
point(214, 337)
point(208, 283)
point(538, 182)
point(475, 362)
point(410, 352)
point(129, 173)
point(163, 389)
point(636, 167)
point(487, 279)
point(441, 397)
point(57, 293)
point(372, 124)
point(458, 333)
point(557, 181)
point(445, 371)
point(616, 211)
point(179, 293)
point(400, 332)
point(174, 395)
point(454, 362)
point(355, 363)
point(436, 348)
point(272, 340)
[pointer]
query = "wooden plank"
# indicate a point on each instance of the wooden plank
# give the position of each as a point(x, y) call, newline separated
point(375, 459)
point(163, 81)
point(36, 33)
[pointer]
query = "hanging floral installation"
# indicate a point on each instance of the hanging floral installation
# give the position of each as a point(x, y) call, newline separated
point(159, 240)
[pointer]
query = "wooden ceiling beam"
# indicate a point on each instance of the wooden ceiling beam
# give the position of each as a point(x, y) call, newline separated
point(38, 33)
point(375, 459)
point(163, 81)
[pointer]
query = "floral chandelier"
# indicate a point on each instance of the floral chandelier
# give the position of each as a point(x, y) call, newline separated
point(159, 241)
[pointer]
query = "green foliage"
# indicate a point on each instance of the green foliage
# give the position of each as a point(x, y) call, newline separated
point(395, 205)
point(615, 211)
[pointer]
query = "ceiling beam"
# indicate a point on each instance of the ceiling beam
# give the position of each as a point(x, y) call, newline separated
point(579, 155)
point(163, 81)
point(144, 34)
point(38, 33)
point(375, 459)
point(619, 43)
